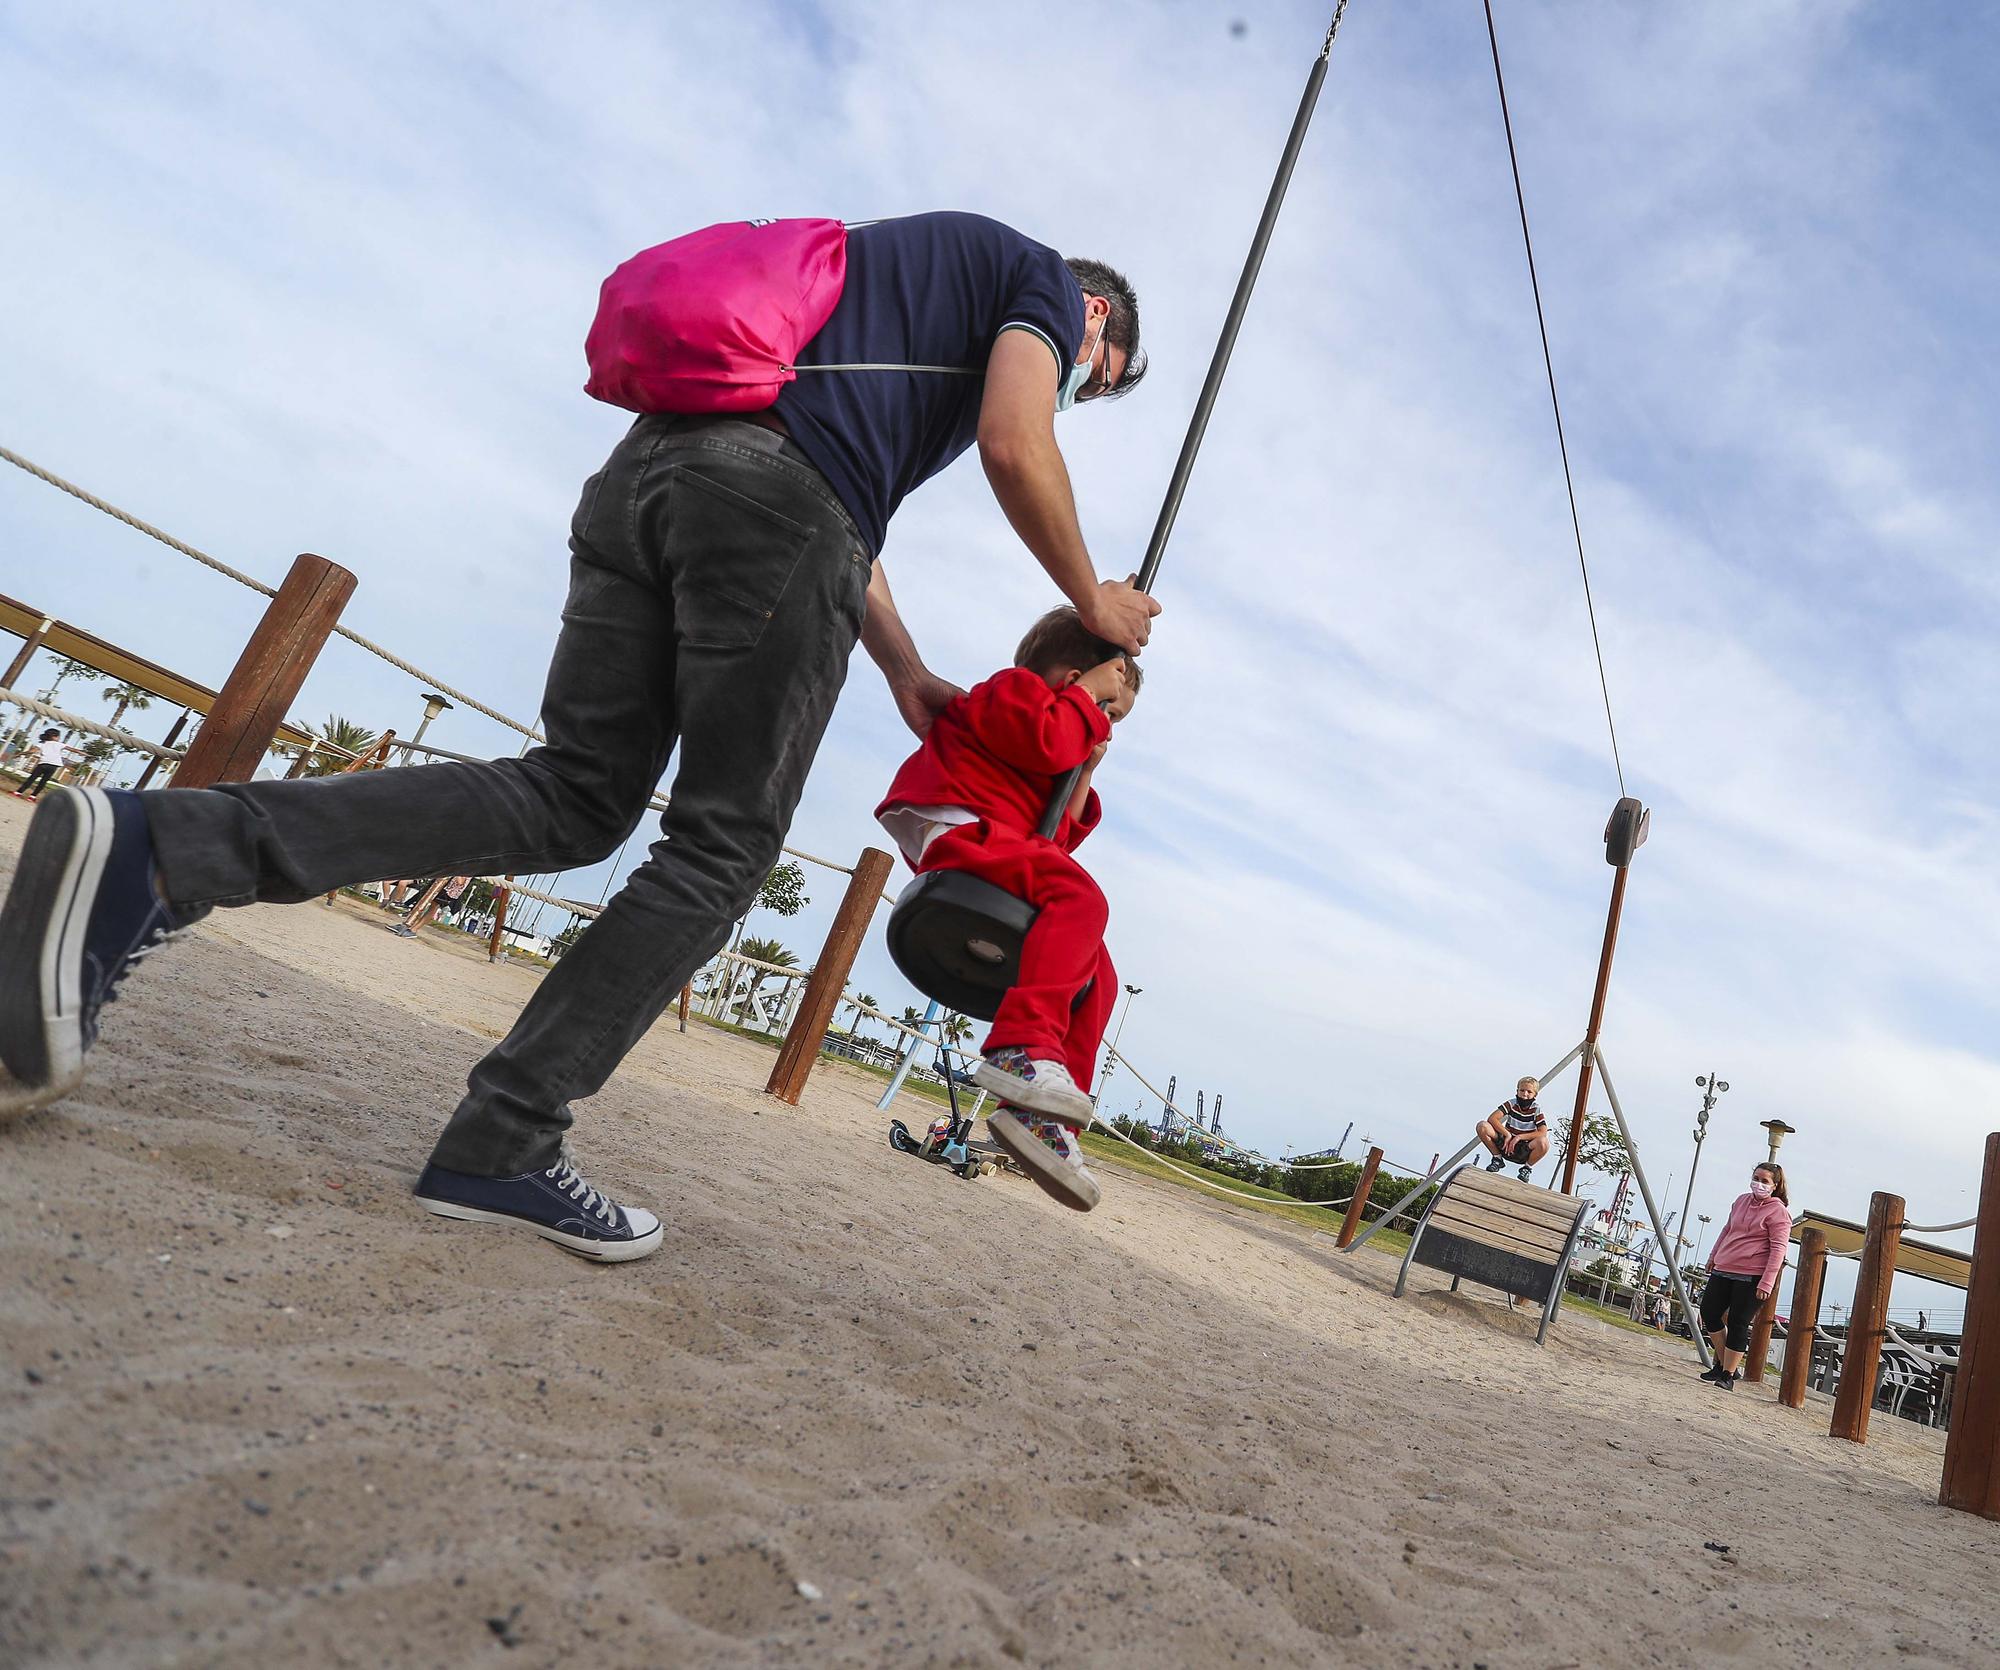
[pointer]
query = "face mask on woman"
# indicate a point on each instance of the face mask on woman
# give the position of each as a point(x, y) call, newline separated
point(1760, 1186)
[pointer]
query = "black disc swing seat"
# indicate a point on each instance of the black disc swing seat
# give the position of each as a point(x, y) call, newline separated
point(957, 938)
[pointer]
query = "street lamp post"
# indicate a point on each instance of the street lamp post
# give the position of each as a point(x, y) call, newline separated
point(1777, 1130)
point(1111, 1049)
point(434, 704)
point(1704, 1220)
point(1712, 1088)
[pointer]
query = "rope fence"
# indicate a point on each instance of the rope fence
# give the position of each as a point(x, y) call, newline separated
point(76, 722)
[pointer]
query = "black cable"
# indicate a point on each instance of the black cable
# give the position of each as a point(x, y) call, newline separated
point(1548, 365)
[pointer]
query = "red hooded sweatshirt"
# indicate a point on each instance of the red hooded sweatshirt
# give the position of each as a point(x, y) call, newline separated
point(1753, 1241)
point(998, 750)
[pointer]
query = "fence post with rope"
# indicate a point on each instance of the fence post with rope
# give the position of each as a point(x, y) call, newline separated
point(1862, 1361)
point(1808, 1286)
point(1972, 1447)
point(1760, 1337)
point(252, 702)
point(829, 976)
point(502, 898)
point(1358, 1204)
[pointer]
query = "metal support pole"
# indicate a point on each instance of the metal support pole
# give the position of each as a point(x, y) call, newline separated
point(1862, 1361)
point(830, 970)
point(1972, 1447)
point(1596, 1025)
point(1652, 1211)
point(908, 1056)
point(1232, 324)
point(267, 675)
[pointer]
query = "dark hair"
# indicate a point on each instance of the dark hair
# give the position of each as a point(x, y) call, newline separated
point(49, 735)
point(1777, 1178)
point(1122, 325)
point(1060, 640)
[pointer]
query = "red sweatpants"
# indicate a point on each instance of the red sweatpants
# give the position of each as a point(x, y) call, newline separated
point(1059, 1010)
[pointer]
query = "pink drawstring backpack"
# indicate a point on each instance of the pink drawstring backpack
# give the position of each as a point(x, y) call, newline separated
point(713, 322)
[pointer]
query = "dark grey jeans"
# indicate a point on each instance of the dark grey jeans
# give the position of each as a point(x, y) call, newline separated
point(716, 592)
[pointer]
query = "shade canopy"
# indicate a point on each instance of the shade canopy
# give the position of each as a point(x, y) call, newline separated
point(1913, 1258)
point(63, 639)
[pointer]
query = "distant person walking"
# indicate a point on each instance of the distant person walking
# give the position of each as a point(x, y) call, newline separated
point(49, 756)
point(722, 568)
point(1743, 1268)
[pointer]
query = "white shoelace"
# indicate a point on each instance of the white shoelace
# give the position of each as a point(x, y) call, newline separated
point(566, 1177)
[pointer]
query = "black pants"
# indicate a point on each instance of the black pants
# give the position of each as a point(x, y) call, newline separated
point(39, 779)
point(716, 591)
point(1734, 1297)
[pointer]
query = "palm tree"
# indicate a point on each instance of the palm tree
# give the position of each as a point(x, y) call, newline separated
point(765, 951)
point(864, 1001)
point(344, 734)
point(131, 696)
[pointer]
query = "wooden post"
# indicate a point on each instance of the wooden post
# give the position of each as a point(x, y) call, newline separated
point(1863, 1359)
point(1767, 1319)
point(153, 765)
point(267, 675)
point(1972, 1447)
point(25, 653)
point(420, 912)
point(501, 896)
point(1803, 1330)
point(829, 976)
point(1350, 1226)
point(687, 992)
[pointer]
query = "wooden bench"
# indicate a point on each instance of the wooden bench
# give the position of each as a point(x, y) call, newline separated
point(1501, 1233)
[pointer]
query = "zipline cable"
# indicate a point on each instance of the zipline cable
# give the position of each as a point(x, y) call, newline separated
point(1549, 365)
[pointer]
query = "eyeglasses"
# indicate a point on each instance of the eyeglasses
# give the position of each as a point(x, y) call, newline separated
point(1100, 382)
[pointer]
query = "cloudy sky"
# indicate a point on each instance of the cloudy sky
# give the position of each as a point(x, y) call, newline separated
point(316, 278)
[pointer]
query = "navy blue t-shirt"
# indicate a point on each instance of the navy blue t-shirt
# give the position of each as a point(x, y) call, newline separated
point(934, 289)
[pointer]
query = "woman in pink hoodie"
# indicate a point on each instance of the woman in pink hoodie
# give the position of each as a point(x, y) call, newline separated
point(1743, 1267)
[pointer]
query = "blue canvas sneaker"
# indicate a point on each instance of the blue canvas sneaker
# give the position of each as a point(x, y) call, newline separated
point(84, 910)
point(558, 1204)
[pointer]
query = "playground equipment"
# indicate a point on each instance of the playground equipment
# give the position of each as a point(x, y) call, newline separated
point(1500, 1233)
point(1623, 835)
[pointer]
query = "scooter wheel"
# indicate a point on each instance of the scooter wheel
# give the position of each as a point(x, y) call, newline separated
point(900, 1139)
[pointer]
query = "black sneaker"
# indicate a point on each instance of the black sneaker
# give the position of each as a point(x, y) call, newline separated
point(1726, 1381)
point(1497, 1163)
point(557, 1204)
point(1526, 1174)
point(84, 909)
point(1715, 1373)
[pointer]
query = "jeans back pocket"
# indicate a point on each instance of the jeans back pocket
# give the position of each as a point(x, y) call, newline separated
point(730, 558)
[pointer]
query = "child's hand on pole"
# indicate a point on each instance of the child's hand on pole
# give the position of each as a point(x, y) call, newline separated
point(1105, 682)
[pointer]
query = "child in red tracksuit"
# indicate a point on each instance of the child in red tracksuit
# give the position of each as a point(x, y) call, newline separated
point(972, 798)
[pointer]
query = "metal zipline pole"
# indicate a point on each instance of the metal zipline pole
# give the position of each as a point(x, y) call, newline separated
point(1170, 507)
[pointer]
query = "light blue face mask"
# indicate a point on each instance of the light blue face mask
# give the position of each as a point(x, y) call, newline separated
point(1079, 374)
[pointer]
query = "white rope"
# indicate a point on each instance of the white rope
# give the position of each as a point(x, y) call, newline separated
point(76, 721)
point(1940, 1229)
point(243, 579)
point(1923, 1353)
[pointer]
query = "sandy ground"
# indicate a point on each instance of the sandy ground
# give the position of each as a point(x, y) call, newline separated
point(255, 1407)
